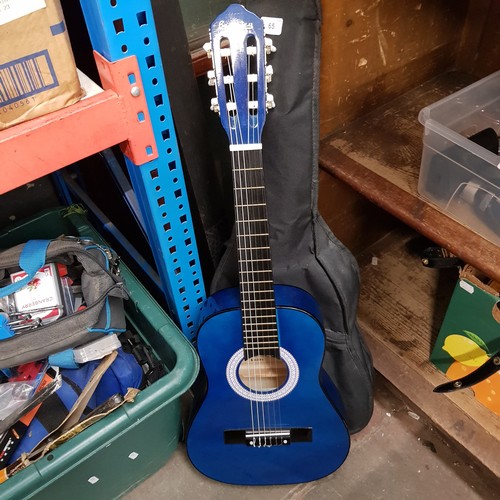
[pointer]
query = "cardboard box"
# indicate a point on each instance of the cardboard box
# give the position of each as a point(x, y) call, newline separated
point(470, 334)
point(37, 70)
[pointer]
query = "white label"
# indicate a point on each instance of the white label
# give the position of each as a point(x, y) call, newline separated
point(133, 455)
point(272, 25)
point(41, 296)
point(93, 479)
point(466, 286)
point(11, 10)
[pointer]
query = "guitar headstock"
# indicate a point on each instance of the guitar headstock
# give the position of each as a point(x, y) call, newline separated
point(238, 48)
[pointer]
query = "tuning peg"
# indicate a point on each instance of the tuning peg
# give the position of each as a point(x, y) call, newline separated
point(207, 47)
point(211, 77)
point(269, 73)
point(270, 101)
point(269, 45)
point(214, 105)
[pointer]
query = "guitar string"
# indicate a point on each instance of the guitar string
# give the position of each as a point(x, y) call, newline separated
point(265, 240)
point(251, 322)
point(258, 199)
point(252, 240)
point(276, 406)
point(255, 415)
point(251, 282)
point(251, 316)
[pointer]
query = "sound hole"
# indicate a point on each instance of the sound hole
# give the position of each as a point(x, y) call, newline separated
point(263, 373)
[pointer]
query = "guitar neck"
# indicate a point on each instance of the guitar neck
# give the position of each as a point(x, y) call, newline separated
point(258, 307)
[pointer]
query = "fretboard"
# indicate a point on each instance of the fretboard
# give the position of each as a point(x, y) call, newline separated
point(258, 308)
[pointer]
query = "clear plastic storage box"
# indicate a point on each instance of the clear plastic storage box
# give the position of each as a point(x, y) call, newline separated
point(460, 169)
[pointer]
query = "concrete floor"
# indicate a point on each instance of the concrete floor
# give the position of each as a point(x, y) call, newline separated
point(397, 456)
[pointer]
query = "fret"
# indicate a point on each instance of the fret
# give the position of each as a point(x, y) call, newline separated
point(250, 220)
point(255, 260)
point(252, 234)
point(248, 278)
point(263, 315)
point(265, 329)
point(257, 290)
point(265, 289)
point(266, 273)
point(250, 187)
point(273, 340)
point(250, 321)
point(249, 337)
point(252, 271)
point(246, 205)
point(262, 309)
point(255, 248)
point(266, 341)
point(266, 315)
point(255, 282)
point(257, 300)
point(257, 334)
point(262, 330)
point(264, 344)
point(247, 168)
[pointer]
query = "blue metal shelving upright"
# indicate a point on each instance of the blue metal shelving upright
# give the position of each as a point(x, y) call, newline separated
point(119, 29)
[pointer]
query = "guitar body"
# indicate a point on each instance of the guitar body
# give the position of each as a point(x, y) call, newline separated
point(300, 404)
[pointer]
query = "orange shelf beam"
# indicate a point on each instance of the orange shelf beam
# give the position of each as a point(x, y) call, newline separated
point(43, 145)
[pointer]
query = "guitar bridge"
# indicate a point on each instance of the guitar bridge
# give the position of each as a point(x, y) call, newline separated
point(272, 437)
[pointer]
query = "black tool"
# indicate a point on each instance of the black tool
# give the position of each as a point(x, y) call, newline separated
point(439, 258)
point(481, 373)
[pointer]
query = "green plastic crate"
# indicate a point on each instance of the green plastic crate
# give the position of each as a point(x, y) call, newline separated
point(118, 452)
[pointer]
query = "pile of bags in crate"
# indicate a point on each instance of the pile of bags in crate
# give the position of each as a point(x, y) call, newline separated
point(66, 356)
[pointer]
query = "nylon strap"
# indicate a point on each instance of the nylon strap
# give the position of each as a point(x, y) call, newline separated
point(32, 258)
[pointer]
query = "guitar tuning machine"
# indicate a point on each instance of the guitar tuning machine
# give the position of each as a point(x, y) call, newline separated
point(269, 73)
point(207, 47)
point(211, 77)
point(270, 101)
point(214, 105)
point(269, 45)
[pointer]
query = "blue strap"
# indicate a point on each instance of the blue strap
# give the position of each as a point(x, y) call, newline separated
point(5, 333)
point(5, 330)
point(32, 258)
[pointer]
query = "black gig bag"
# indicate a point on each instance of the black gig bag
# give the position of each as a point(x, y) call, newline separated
point(305, 253)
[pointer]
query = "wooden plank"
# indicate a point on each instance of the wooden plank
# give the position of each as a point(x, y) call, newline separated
point(379, 156)
point(375, 50)
point(479, 52)
point(477, 16)
point(415, 212)
point(388, 141)
point(401, 308)
point(354, 220)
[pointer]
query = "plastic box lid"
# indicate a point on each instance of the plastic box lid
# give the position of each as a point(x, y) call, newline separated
point(465, 113)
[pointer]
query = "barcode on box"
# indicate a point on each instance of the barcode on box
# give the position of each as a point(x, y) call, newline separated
point(26, 77)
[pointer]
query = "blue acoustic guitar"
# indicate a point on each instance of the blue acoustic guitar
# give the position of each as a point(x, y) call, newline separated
point(268, 415)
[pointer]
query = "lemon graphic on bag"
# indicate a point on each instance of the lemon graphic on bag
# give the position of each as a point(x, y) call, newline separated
point(469, 353)
point(465, 350)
